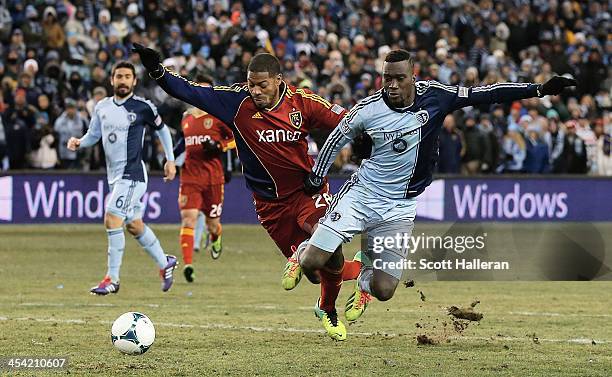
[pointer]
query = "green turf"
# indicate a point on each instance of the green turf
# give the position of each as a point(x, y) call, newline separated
point(236, 320)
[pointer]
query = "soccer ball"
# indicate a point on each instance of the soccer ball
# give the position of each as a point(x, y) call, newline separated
point(133, 333)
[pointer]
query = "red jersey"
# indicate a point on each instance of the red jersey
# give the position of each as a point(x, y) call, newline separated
point(198, 127)
point(272, 142)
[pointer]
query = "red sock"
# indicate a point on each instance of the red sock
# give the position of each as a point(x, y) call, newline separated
point(214, 236)
point(331, 281)
point(351, 270)
point(187, 244)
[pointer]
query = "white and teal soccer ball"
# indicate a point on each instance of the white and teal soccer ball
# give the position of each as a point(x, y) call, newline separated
point(133, 333)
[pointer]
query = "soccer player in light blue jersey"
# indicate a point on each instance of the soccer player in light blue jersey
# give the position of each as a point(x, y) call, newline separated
point(120, 122)
point(403, 120)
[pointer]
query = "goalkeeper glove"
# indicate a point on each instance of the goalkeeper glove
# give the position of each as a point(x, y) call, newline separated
point(313, 184)
point(555, 86)
point(150, 58)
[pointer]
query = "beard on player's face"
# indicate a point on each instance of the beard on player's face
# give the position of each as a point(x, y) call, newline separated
point(264, 89)
point(122, 90)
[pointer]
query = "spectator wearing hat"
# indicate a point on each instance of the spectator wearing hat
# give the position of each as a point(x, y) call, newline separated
point(513, 150)
point(53, 32)
point(555, 139)
point(69, 124)
point(573, 159)
point(451, 147)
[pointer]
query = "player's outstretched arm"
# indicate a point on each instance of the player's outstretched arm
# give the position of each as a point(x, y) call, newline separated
point(221, 102)
point(459, 97)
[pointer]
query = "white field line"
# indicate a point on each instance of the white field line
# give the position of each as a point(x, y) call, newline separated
point(225, 326)
point(302, 308)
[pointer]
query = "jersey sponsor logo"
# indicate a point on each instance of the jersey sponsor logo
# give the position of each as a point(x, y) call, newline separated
point(112, 137)
point(257, 115)
point(196, 139)
point(400, 145)
point(337, 109)
point(422, 117)
point(208, 123)
point(131, 117)
point(463, 92)
point(276, 136)
point(295, 118)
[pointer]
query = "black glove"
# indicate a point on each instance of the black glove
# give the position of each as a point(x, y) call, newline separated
point(212, 148)
point(228, 175)
point(313, 184)
point(150, 58)
point(555, 86)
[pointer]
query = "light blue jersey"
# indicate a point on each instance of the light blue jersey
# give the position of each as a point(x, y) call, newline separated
point(405, 147)
point(121, 125)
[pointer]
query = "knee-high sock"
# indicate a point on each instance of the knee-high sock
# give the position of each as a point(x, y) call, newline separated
point(199, 231)
point(365, 279)
point(151, 244)
point(186, 236)
point(351, 270)
point(116, 245)
point(331, 281)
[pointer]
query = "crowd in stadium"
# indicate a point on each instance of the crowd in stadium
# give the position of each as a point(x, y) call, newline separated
point(57, 56)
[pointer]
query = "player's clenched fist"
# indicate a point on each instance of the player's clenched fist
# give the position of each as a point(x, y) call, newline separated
point(169, 171)
point(73, 143)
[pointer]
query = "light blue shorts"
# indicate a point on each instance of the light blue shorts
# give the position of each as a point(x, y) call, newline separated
point(354, 210)
point(125, 198)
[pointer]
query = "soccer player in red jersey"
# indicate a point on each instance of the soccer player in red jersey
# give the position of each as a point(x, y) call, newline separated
point(202, 177)
point(270, 121)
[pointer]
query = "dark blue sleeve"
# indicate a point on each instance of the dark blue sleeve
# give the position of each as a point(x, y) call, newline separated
point(179, 147)
point(220, 101)
point(456, 97)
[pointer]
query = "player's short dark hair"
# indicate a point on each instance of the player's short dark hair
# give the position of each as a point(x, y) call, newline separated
point(399, 56)
point(265, 62)
point(123, 64)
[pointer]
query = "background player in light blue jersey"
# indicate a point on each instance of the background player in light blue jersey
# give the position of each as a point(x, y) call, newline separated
point(403, 120)
point(120, 121)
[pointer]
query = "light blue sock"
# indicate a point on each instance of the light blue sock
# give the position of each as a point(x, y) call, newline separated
point(199, 231)
point(365, 278)
point(116, 245)
point(151, 244)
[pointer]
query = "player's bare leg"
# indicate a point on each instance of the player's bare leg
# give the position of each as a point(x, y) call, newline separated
point(189, 218)
point(213, 225)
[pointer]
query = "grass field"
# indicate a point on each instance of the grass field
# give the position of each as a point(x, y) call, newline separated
point(236, 320)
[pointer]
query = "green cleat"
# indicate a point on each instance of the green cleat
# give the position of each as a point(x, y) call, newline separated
point(356, 303)
point(216, 248)
point(332, 325)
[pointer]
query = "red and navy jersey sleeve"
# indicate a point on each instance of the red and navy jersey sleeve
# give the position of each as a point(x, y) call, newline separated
point(322, 113)
point(220, 101)
point(456, 97)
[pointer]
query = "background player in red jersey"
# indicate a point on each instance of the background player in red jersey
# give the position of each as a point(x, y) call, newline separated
point(270, 121)
point(202, 177)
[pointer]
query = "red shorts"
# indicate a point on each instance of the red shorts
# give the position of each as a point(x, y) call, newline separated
point(206, 198)
point(289, 221)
